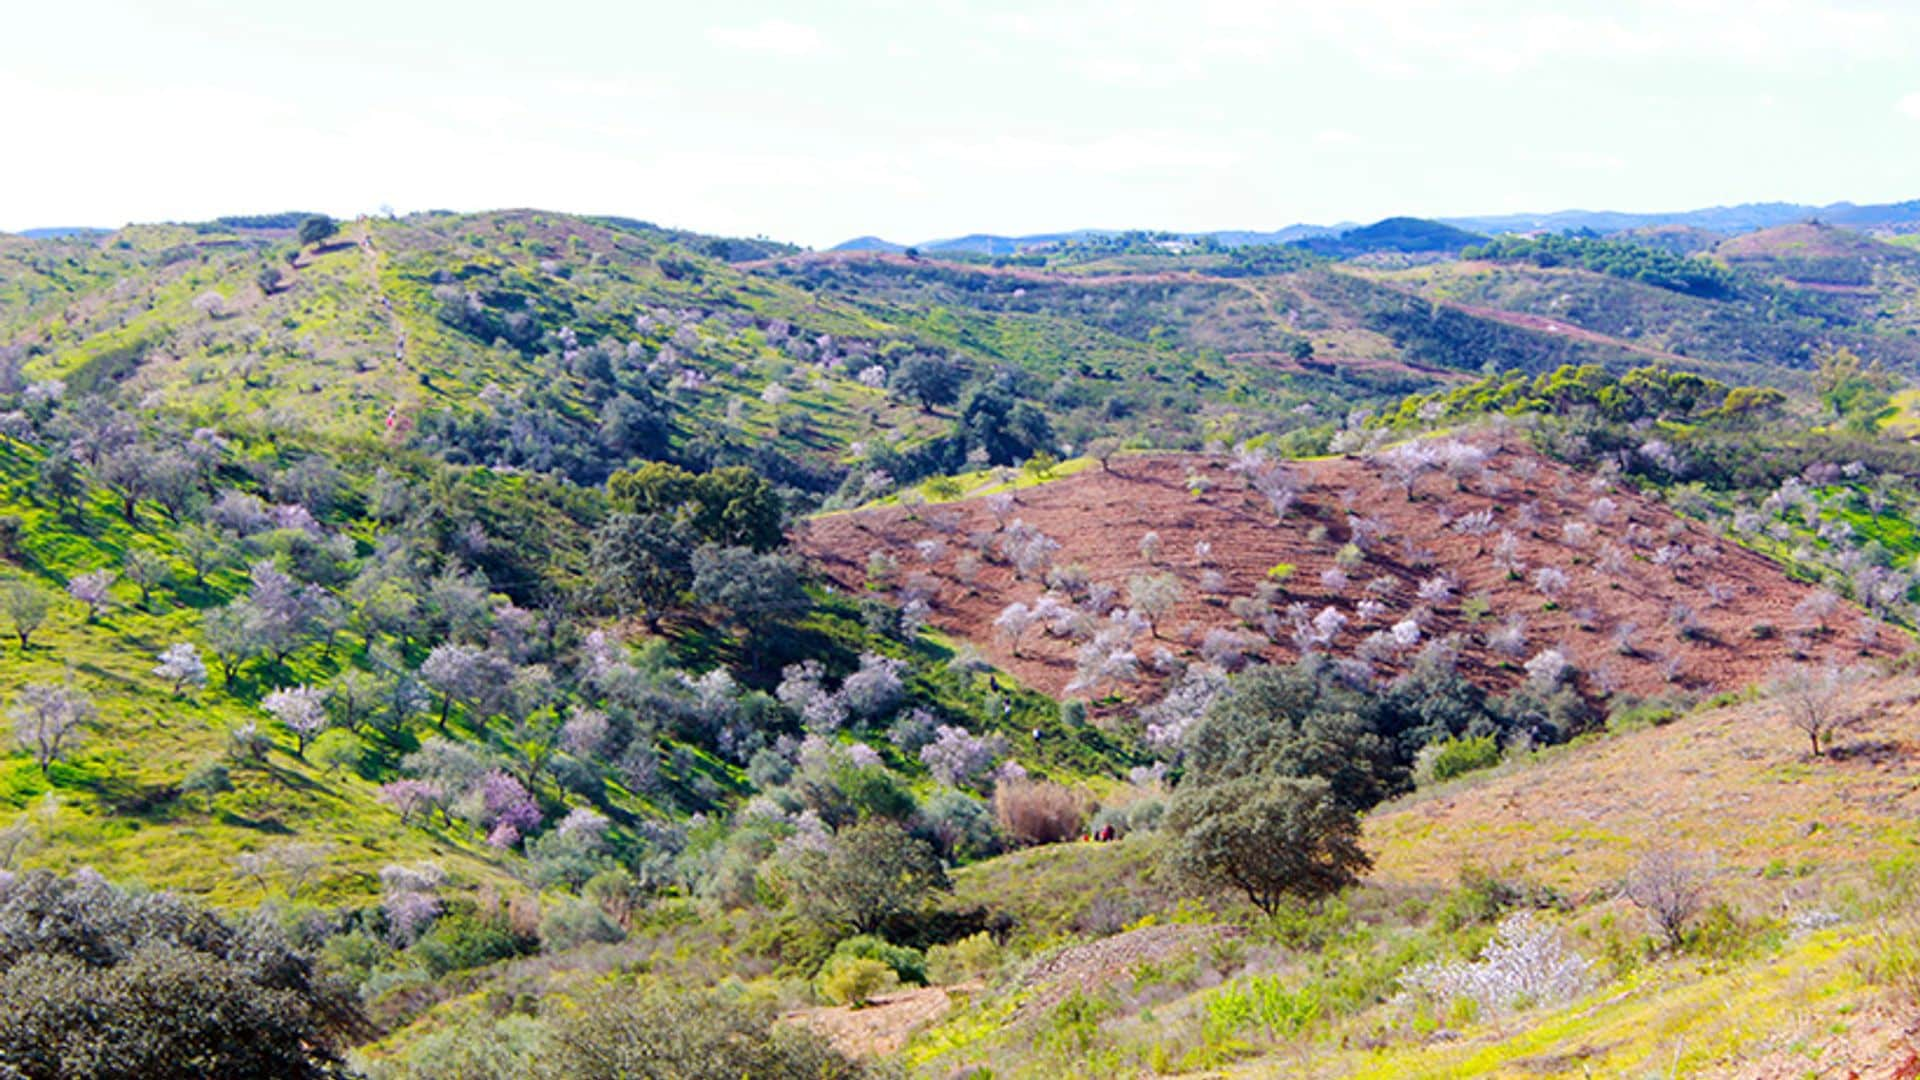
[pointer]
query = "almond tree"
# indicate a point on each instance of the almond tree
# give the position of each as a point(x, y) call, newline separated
point(180, 664)
point(91, 589)
point(48, 719)
point(1812, 697)
point(1405, 464)
point(1154, 596)
point(1150, 547)
point(1670, 887)
point(1526, 963)
point(1013, 622)
point(1818, 607)
point(302, 709)
point(475, 677)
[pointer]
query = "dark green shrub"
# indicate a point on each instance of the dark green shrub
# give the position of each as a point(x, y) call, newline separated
point(873, 872)
point(853, 980)
point(1268, 837)
point(96, 982)
point(1484, 896)
point(460, 942)
point(909, 964)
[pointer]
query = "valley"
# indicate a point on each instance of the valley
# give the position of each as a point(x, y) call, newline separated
point(1124, 656)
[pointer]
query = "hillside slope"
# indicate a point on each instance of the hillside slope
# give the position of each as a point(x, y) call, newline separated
point(1629, 566)
point(1789, 971)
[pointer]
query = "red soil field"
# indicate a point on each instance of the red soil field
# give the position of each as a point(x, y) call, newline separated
point(1099, 517)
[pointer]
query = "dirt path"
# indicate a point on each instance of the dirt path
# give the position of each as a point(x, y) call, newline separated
point(371, 260)
point(1545, 325)
point(884, 1025)
point(398, 420)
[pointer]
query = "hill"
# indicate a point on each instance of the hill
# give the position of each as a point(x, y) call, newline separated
point(868, 243)
point(605, 338)
point(1817, 256)
point(1399, 234)
point(1745, 217)
point(1724, 220)
point(1726, 314)
point(1516, 556)
point(1788, 973)
point(492, 606)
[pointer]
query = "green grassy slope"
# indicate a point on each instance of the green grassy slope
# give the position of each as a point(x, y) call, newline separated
point(116, 805)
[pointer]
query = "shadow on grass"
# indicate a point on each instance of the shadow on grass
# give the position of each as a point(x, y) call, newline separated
point(268, 825)
point(130, 798)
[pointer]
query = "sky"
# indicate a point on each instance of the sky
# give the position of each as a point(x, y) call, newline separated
point(814, 122)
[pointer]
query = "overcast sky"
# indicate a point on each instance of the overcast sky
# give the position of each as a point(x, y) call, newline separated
point(816, 122)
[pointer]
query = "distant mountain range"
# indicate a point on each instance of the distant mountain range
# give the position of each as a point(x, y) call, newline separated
point(1746, 217)
point(1348, 237)
point(58, 231)
point(993, 244)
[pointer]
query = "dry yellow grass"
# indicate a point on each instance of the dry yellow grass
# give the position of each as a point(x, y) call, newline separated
point(1734, 782)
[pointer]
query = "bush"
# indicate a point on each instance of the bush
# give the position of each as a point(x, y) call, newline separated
point(1631, 714)
point(1109, 817)
point(1527, 964)
point(1483, 897)
point(909, 964)
point(661, 1035)
point(975, 957)
point(871, 873)
point(1037, 812)
point(961, 826)
point(1457, 757)
point(1720, 932)
point(461, 942)
point(853, 980)
point(98, 982)
point(574, 923)
point(1140, 815)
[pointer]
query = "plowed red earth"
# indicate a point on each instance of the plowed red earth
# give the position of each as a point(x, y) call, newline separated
point(1099, 517)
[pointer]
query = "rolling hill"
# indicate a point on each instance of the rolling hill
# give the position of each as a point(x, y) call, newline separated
point(1519, 558)
point(1721, 220)
point(495, 604)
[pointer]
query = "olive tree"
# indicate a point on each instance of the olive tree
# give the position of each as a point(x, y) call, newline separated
point(868, 874)
point(317, 229)
point(148, 570)
point(1270, 837)
point(26, 607)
